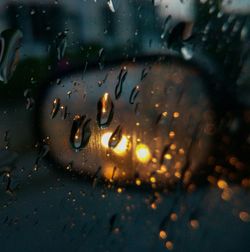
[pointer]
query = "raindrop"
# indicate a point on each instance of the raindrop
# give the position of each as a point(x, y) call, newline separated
point(121, 78)
point(187, 52)
point(105, 111)
point(96, 175)
point(166, 26)
point(44, 149)
point(134, 93)
point(144, 73)
point(6, 139)
point(85, 68)
point(58, 81)
point(61, 45)
point(111, 5)
point(164, 152)
point(29, 100)
point(69, 94)
point(80, 132)
point(113, 174)
point(64, 112)
point(10, 42)
point(100, 58)
point(115, 137)
point(101, 82)
point(7, 180)
point(137, 107)
point(69, 166)
point(55, 108)
point(32, 12)
point(161, 117)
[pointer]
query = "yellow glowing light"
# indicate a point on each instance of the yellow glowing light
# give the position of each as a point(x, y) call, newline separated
point(104, 102)
point(105, 139)
point(181, 151)
point(165, 114)
point(178, 165)
point(171, 134)
point(119, 190)
point(194, 224)
point(152, 180)
point(169, 245)
point(172, 147)
point(162, 169)
point(110, 172)
point(153, 206)
point(226, 194)
point(244, 216)
point(174, 217)
point(138, 182)
point(168, 156)
point(162, 234)
point(177, 174)
point(120, 148)
point(142, 153)
point(222, 184)
point(176, 114)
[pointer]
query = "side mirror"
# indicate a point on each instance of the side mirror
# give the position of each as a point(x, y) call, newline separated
point(138, 122)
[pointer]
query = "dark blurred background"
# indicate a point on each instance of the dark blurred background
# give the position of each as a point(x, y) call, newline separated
point(46, 210)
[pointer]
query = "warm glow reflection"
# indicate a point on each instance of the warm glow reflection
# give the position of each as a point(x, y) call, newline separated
point(104, 102)
point(110, 172)
point(120, 148)
point(143, 153)
point(105, 139)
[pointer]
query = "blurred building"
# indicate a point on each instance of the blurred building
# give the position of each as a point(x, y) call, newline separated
point(86, 22)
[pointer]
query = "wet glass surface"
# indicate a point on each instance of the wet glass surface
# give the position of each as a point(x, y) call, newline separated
point(124, 125)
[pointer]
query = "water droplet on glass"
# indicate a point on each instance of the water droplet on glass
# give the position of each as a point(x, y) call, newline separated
point(61, 45)
point(121, 78)
point(6, 140)
point(134, 93)
point(163, 153)
point(161, 117)
point(85, 68)
point(10, 42)
point(166, 26)
point(32, 12)
point(105, 111)
point(43, 151)
point(58, 81)
point(101, 82)
point(100, 58)
point(187, 52)
point(29, 99)
point(115, 137)
point(69, 94)
point(96, 176)
point(137, 108)
point(80, 132)
point(144, 73)
point(111, 5)
point(69, 166)
point(55, 108)
point(64, 112)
